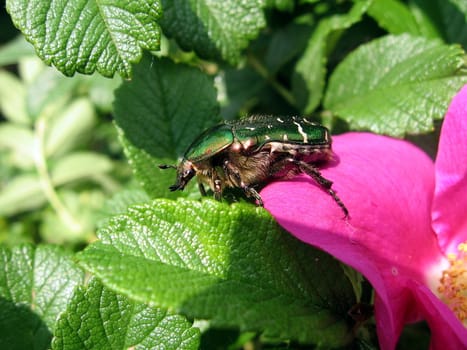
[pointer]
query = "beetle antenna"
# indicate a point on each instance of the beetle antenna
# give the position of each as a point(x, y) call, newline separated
point(166, 166)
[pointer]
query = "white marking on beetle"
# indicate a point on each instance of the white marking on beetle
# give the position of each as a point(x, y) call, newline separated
point(267, 137)
point(275, 146)
point(237, 146)
point(279, 120)
point(301, 132)
point(269, 126)
point(306, 121)
point(250, 128)
point(248, 143)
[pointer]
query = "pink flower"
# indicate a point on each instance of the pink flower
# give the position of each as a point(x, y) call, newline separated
point(407, 231)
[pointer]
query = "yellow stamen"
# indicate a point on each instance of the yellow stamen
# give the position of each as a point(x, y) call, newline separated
point(453, 287)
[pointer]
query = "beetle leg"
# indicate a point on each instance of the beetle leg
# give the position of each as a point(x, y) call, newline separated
point(201, 188)
point(251, 192)
point(217, 189)
point(314, 173)
point(235, 177)
point(216, 185)
point(320, 180)
point(232, 173)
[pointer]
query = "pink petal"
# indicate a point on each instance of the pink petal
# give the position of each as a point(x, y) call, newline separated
point(450, 201)
point(387, 185)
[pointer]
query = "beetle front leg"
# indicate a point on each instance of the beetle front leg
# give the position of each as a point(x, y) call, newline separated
point(216, 185)
point(217, 189)
point(201, 188)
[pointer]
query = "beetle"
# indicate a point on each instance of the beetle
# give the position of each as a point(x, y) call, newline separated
point(250, 152)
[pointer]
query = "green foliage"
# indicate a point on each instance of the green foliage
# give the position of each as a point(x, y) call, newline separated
point(416, 69)
point(187, 273)
point(232, 255)
point(310, 71)
point(183, 105)
point(395, 17)
point(89, 36)
point(213, 29)
point(36, 285)
point(49, 119)
point(97, 318)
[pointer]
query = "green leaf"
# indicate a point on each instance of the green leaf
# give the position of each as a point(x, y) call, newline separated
point(87, 36)
point(19, 140)
point(97, 318)
point(79, 225)
point(396, 85)
point(13, 51)
point(24, 192)
point(230, 339)
point(49, 93)
point(151, 178)
point(67, 128)
point(101, 91)
point(455, 20)
point(309, 76)
point(12, 97)
point(213, 29)
point(231, 264)
point(282, 5)
point(427, 16)
point(445, 19)
point(120, 202)
point(394, 16)
point(78, 166)
point(165, 106)
point(290, 41)
point(160, 111)
point(241, 86)
point(35, 287)
point(455, 14)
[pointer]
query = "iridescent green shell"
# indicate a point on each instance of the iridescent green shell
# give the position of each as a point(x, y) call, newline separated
point(209, 143)
point(254, 133)
point(261, 130)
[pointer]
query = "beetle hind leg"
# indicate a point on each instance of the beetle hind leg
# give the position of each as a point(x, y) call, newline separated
point(251, 192)
point(322, 182)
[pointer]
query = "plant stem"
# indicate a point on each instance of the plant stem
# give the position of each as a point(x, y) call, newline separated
point(263, 72)
point(46, 182)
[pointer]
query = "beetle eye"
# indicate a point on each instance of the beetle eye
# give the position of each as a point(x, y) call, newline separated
point(187, 173)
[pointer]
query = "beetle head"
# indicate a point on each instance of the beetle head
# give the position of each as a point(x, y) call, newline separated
point(185, 173)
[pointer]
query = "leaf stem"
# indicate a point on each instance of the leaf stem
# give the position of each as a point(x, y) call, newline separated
point(263, 72)
point(45, 179)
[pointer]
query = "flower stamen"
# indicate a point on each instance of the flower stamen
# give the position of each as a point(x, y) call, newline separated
point(453, 287)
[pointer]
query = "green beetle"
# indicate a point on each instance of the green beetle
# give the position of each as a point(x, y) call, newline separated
point(250, 152)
